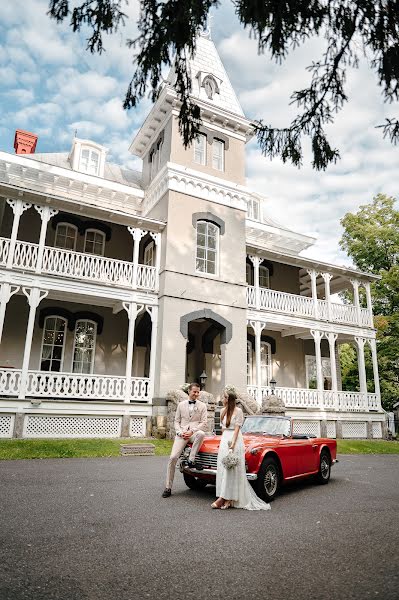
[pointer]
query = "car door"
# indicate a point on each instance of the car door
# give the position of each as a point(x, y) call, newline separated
point(287, 451)
point(307, 456)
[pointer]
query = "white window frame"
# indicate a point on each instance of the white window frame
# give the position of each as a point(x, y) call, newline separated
point(266, 368)
point(92, 152)
point(97, 231)
point(325, 365)
point(149, 254)
point(253, 209)
point(52, 345)
point(266, 275)
point(205, 248)
point(200, 152)
point(249, 363)
point(94, 346)
point(70, 226)
point(218, 159)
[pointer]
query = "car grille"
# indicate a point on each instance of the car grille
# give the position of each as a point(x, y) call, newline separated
point(207, 460)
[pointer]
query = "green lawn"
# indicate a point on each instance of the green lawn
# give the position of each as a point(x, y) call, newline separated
point(73, 448)
point(367, 447)
point(82, 448)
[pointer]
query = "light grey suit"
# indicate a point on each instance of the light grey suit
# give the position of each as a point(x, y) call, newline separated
point(186, 420)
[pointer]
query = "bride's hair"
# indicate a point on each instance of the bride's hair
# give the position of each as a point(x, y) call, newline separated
point(231, 404)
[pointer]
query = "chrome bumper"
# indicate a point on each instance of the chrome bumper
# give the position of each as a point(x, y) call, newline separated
point(190, 471)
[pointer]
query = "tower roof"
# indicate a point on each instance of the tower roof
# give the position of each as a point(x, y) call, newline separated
point(210, 82)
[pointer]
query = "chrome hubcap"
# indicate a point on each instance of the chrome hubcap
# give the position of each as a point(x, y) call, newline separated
point(271, 480)
point(324, 467)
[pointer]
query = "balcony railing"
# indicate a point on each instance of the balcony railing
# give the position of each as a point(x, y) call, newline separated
point(73, 386)
point(302, 306)
point(78, 265)
point(322, 400)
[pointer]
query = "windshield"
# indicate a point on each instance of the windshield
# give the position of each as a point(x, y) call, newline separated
point(270, 425)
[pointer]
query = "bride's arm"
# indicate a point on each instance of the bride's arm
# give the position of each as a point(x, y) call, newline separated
point(239, 422)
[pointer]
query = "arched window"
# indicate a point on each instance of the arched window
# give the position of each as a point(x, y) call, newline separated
point(89, 161)
point(265, 363)
point(84, 346)
point(207, 248)
point(249, 362)
point(65, 236)
point(94, 242)
point(53, 344)
point(264, 277)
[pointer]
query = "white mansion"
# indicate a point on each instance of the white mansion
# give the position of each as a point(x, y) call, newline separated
point(118, 286)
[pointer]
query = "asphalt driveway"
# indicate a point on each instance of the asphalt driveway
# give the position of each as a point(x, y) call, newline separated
point(98, 529)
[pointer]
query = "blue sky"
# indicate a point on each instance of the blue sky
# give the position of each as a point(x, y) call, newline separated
point(51, 86)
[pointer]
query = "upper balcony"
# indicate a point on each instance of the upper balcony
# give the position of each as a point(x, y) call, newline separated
point(74, 247)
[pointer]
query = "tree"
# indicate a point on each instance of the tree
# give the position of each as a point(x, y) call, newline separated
point(371, 239)
point(168, 30)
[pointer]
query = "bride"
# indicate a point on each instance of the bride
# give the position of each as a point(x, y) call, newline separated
point(232, 487)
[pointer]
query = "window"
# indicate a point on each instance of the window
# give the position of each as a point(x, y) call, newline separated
point(159, 153)
point(65, 236)
point(249, 363)
point(265, 363)
point(249, 274)
point(149, 254)
point(94, 242)
point(207, 247)
point(89, 161)
point(263, 277)
point(53, 342)
point(84, 346)
point(311, 372)
point(253, 209)
point(200, 149)
point(218, 155)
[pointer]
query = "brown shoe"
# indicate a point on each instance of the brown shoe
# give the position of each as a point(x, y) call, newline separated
point(166, 493)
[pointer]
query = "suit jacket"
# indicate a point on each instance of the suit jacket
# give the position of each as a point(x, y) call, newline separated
point(198, 420)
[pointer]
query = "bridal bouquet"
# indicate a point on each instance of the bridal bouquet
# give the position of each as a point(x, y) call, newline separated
point(230, 461)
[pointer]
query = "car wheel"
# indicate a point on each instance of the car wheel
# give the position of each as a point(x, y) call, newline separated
point(193, 483)
point(323, 476)
point(268, 482)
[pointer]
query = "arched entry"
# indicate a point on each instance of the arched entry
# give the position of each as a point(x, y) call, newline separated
point(206, 333)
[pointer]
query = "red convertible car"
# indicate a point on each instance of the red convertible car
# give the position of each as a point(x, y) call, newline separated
point(274, 455)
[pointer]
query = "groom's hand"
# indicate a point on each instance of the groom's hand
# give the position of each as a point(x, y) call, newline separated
point(187, 434)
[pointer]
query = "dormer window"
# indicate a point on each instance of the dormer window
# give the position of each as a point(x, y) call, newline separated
point(89, 161)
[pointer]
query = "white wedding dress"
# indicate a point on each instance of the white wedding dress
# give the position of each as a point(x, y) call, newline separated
point(232, 484)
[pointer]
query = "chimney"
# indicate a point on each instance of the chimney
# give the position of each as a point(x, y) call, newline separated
point(25, 142)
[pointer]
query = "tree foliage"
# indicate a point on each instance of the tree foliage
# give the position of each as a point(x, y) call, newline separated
point(371, 239)
point(168, 30)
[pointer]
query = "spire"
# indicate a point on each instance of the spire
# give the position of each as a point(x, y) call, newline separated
point(210, 82)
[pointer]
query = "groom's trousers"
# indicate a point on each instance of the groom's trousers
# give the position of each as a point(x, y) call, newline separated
point(178, 446)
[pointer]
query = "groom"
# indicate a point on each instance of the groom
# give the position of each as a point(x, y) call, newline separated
point(190, 424)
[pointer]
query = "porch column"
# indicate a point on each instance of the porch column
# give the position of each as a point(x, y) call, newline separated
point(157, 241)
point(317, 335)
point(153, 312)
point(356, 299)
point(136, 234)
point(258, 327)
point(361, 364)
point(6, 291)
point(327, 278)
point(373, 346)
point(46, 213)
point(256, 260)
point(332, 338)
point(132, 310)
point(34, 296)
point(18, 208)
point(313, 276)
point(369, 302)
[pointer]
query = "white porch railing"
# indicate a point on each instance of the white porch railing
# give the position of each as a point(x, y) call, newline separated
point(302, 306)
point(78, 265)
point(80, 386)
point(322, 400)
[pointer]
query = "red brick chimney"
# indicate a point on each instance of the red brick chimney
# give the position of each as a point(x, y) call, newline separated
point(25, 142)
